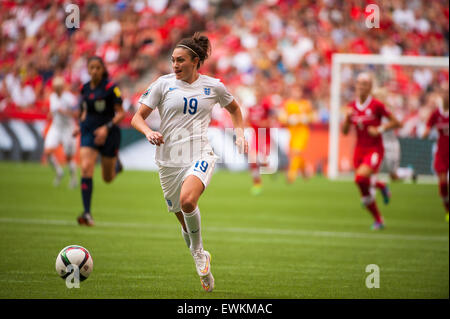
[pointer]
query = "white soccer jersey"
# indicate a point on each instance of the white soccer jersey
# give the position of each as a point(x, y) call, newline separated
point(185, 111)
point(66, 101)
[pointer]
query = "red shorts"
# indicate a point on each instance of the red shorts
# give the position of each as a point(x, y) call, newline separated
point(372, 157)
point(261, 141)
point(441, 161)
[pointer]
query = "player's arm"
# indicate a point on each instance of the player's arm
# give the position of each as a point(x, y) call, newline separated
point(138, 122)
point(392, 124)
point(347, 121)
point(238, 123)
point(101, 133)
point(429, 126)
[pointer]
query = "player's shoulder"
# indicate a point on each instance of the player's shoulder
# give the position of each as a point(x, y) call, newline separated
point(85, 87)
point(352, 104)
point(68, 96)
point(166, 77)
point(109, 84)
point(165, 80)
point(210, 81)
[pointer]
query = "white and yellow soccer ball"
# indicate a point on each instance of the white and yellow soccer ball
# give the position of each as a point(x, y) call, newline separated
point(72, 257)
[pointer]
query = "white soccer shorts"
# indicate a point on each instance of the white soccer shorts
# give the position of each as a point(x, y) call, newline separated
point(172, 178)
point(56, 136)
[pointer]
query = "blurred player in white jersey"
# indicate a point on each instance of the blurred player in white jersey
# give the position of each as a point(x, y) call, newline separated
point(62, 104)
point(185, 100)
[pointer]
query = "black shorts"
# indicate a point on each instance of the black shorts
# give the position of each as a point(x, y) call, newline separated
point(112, 143)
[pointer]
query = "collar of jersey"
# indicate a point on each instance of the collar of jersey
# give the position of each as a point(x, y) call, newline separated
point(363, 106)
point(193, 84)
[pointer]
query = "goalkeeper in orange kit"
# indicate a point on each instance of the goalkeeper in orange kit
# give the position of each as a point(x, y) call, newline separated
point(296, 115)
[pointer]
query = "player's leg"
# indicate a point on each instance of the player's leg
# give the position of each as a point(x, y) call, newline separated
point(88, 158)
point(363, 181)
point(108, 168)
point(72, 170)
point(184, 232)
point(190, 193)
point(384, 189)
point(441, 166)
point(50, 145)
point(194, 183)
point(254, 164)
point(191, 190)
point(110, 162)
point(297, 160)
point(69, 143)
point(443, 189)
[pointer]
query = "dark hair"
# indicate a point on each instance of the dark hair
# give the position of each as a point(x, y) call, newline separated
point(198, 46)
point(99, 59)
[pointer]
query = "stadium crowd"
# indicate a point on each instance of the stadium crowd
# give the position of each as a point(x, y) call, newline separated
point(273, 46)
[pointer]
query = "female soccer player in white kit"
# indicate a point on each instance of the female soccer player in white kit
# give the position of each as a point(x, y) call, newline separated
point(62, 104)
point(185, 159)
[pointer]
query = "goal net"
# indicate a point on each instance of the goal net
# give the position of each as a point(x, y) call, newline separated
point(407, 85)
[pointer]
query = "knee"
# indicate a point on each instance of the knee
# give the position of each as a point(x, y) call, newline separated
point(188, 203)
point(86, 169)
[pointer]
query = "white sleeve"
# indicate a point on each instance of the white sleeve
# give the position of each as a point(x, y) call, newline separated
point(223, 96)
point(54, 105)
point(152, 96)
point(71, 100)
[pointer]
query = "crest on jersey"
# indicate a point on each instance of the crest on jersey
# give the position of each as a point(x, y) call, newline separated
point(207, 91)
point(368, 112)
point(100, 105)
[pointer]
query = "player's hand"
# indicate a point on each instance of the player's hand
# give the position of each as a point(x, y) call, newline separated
point(347, 114)
point(155, 138)
point(373, 131)
point(76, 131)
point(242, 145)
point(100, 134)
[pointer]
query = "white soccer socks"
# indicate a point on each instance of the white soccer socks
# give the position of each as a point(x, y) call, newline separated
point(193, 223)
point(186, 238)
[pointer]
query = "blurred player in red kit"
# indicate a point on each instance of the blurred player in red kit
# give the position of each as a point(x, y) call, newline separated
point(260, 118)
point(366, 114)
point(439, 120)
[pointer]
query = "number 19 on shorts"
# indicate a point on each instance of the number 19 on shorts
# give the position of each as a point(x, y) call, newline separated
point(201, 166)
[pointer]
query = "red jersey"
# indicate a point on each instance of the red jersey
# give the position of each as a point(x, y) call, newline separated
point(259, 113)
point(439, 119)
point(370, 113)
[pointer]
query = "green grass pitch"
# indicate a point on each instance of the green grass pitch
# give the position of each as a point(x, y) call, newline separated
point(307, 240)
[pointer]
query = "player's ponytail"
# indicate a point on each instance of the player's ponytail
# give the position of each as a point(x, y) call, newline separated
point(99, 59)
point(198, 46)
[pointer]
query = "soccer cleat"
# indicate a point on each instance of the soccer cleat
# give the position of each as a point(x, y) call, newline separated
point(85, 219)
point(202, 260)
point(377, 226)
point(207, 282)
point(386, 194)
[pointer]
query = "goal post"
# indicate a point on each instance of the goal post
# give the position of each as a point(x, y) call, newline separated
point(338, 60)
